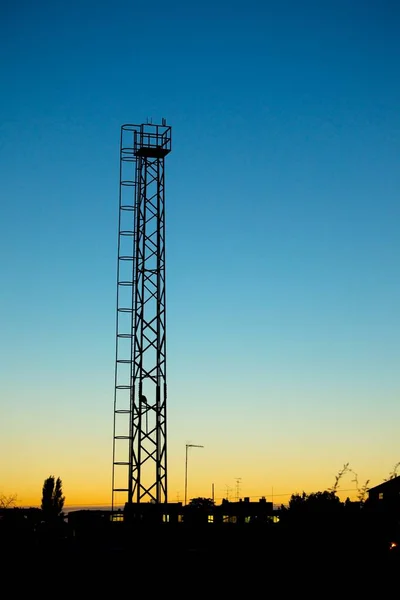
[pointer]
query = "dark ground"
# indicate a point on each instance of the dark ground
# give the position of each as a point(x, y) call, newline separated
point(202, 561)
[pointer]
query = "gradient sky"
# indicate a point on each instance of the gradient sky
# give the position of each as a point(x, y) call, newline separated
point(283, 232)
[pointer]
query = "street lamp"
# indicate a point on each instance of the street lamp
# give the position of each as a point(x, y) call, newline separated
point(186, 465)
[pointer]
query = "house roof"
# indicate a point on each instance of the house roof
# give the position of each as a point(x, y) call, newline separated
point(387, 485)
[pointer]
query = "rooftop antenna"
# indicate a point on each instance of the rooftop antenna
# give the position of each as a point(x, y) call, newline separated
point(238, 480)
point(228, 490)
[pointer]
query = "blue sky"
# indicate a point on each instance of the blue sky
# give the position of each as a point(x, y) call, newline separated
point(283, 230)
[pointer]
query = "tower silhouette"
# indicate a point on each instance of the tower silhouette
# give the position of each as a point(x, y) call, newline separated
point(140, 397)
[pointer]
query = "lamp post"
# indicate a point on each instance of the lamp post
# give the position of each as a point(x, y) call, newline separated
point(186, 465)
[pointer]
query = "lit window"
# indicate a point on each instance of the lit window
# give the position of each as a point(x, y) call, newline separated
point(118, 517)
point(211, 518)
point(232, 519)
point(380, 495)
point(275, 519)
point(165, 519)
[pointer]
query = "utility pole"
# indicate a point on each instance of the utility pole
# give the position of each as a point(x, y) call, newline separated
point(186, 465)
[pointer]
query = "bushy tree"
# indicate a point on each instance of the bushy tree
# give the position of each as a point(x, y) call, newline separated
point(315, 502)
point(201, 502)
point(52, 498)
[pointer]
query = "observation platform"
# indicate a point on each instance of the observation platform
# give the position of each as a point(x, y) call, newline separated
point(146, 140)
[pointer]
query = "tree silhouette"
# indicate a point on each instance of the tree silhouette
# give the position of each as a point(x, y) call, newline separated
point(201, 503)
point(326, 501)
point(52, 498)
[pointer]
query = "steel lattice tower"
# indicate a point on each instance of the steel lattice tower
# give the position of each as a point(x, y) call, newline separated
point(140, 399)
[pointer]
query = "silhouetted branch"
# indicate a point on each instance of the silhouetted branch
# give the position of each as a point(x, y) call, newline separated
point(338, 477)
point(361, 491)
point(8, 501)
point(393, 473)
